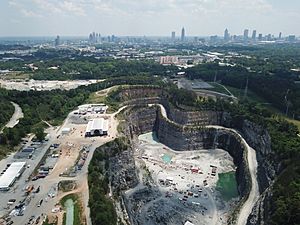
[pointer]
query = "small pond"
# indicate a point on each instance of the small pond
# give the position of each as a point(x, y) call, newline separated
point(227, 185)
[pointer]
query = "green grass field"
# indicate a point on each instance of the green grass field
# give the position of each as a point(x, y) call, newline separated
point(253, 97)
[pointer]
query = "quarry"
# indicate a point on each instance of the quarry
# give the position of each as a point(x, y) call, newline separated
point(186, 166)
point(185, 184)
point(180, 166)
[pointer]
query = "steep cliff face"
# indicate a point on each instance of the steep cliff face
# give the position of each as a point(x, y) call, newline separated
point(256, 136)
point(260, 140)
point(185, 138)
point(136, 92)
point(177, 134)
point(140, 120)
point(261, 209)
point(201, 118)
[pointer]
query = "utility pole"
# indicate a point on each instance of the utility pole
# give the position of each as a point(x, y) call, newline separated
point(287, 102)
point(246, 89)
point(215, 78)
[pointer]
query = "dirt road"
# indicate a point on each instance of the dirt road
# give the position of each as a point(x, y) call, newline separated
point(14, 120)
point(254, 192)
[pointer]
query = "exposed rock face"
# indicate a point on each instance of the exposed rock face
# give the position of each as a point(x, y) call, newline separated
point(256, 136)
point(122, 171)
point(140, 120)
point(260, 140)
point(192, 138)
point(261, 210)
point(184, 138)
point(201, 118)
point(137, 92)
point(178, 135)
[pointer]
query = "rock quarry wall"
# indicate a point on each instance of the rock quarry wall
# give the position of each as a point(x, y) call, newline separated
point(178, 134)
point(184, 138)
point(201, 118)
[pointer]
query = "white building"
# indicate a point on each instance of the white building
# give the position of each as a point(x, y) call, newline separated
point(188, 223)
point(96, 127)
point(66, 130)
point(13, 172)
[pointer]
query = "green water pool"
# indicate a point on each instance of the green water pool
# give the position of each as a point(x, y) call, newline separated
point(227, 185)
point(69, 205)
point(166, 158)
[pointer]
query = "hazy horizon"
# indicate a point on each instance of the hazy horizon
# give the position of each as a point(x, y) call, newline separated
point(77, 18)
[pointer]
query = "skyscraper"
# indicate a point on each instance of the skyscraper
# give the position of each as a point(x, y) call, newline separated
point(91, 38)
point(113, 38)
point(183, 34)
point(246, 34)
point(97, 38)
point(254, 35)
point(292, 38)
point(260, 37)
point(57, 41)
point(226, 35)
point(173, 35)
point(280, 35)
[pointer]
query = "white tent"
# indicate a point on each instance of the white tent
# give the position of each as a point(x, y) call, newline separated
point(97, 127)
point(13, 172)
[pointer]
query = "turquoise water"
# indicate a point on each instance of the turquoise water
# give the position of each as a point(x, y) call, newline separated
point(166, 158)
point(69, 205)
point(227, 185)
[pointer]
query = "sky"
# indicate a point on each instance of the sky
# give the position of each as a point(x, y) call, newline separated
point(147, 17)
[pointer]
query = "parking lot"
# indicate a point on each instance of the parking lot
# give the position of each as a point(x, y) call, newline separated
point(65, 156)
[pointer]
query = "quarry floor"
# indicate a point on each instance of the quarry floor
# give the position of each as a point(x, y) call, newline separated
point(180, 187)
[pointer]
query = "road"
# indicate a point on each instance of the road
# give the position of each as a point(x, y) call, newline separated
point(254, 192)
point(229, 92)
point(49, 183)
point(14, 120)
point(252, 166)
point(215, 94)
point(16, 191)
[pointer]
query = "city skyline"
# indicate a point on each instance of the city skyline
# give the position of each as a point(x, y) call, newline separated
point(149, 17)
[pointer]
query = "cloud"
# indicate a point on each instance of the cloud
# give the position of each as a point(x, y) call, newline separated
point(34, 8)
point(72, 7)
point(47, 6)
point(13, 3)
point(142, 8)
point(29, 13)
point(22, 9)
point(200, 17)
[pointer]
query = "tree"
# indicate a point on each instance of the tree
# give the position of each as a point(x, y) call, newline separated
point(39, 133)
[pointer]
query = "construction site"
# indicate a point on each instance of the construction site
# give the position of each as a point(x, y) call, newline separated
point(29, 188)
point(43, 85)
point(180, 187)
point(172, 173)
